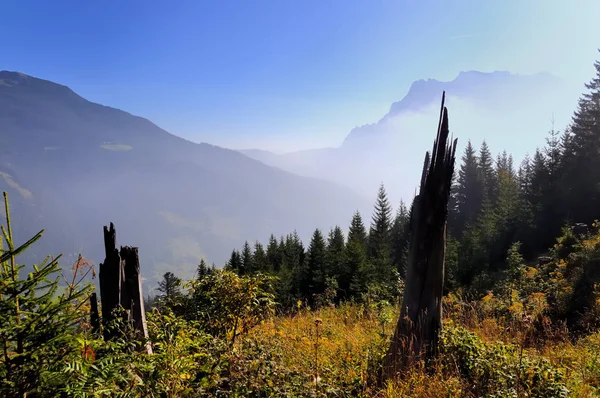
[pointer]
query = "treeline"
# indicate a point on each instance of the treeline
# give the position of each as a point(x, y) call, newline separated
point(494, 204)
point(335, 266)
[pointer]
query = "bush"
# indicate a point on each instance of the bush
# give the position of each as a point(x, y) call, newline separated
point(497, 369)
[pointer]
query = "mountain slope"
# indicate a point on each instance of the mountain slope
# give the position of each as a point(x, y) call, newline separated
point(509, 111)
point(72, 166)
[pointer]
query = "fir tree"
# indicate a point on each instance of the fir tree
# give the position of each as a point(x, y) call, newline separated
point(260, 258)
point(202, 270)
point(247, 260)
point(35, 321)
point(487, 173)
point(581, 175)
point(469, 191)
point(357, 232)
point(379, 241)
point(356, 256)
point(337, 264)
point(316, 262)
point(400, 238)
point(274, 255)
point(170, 287)
point(235, 261)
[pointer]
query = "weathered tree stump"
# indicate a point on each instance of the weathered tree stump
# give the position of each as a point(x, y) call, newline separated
point(420, 322)
point(133, 299)
point(110, 281)
point(121, 285)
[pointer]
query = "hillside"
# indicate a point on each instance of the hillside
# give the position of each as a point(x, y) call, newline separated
point(499, 107)
point(72, 166)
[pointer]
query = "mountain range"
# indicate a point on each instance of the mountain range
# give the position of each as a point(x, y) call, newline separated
point(72, 166)
point(511, 112)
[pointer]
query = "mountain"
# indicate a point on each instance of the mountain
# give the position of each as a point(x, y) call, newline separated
point(72, 166)
point(509, 111)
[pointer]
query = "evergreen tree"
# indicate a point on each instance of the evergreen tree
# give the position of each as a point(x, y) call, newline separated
point(357, 232)
point(36, 322)
point(235, 261)
point(469, 192)
point(581, 175)
point(274, 255)
point(487, 173)
point(400, 238)
point(170, 288)
point(314, 279)
point(379, 242)
point(356, 255)
point(337, 264)
point(506, 209)
point(202, 270)
point(247, 260)
point(260, 258)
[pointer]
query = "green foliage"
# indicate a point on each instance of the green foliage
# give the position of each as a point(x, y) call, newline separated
point(35, 320)
point(225, 304)
point(498, 369)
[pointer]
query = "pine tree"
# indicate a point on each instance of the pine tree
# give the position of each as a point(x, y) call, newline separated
point(36, 322)
point(337, 264)
point(274, 254)
point(506, 209)
point(357, 232)
point(235, 261)
point(170, 287)
point(379, 241)
point(469, 192)
point(260, 258)
point(316, 262)
point(487, 173)
point(508, 189)
point(400, 238)
point(356, 255)
point(581, 168)
point(247, 263)
point(202, 270)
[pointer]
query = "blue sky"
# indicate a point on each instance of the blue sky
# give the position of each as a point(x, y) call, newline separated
point(285, 74)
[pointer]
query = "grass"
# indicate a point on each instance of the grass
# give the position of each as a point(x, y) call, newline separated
point(353, 340)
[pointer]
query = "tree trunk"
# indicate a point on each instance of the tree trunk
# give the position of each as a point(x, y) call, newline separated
point(110, 281)
point(132, 284)
point(121, 284)
point(420, 320)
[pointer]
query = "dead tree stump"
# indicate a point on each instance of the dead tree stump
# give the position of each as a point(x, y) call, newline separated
point(420, 320)
point(121, 285)
point(110, 281)
point(133, 300)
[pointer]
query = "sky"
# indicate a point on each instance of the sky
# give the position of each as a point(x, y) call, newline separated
point(284, 75)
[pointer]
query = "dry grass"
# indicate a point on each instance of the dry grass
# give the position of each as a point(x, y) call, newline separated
point(352, 342)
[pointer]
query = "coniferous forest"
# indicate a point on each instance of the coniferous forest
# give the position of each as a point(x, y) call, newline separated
point(288, 318)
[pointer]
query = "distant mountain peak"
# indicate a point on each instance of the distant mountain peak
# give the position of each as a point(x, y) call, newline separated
point(18, 80)
point(473, 85)
point(13, 78)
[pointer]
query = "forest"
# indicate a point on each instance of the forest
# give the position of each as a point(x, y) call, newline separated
point(521, 305)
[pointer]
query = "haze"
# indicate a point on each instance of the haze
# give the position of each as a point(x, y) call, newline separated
point(305, 109)
point(284, 76)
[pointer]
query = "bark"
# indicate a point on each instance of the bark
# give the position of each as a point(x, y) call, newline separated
point(134, 299)
point(121, 285)
point(110, 281)
point(420, 321)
